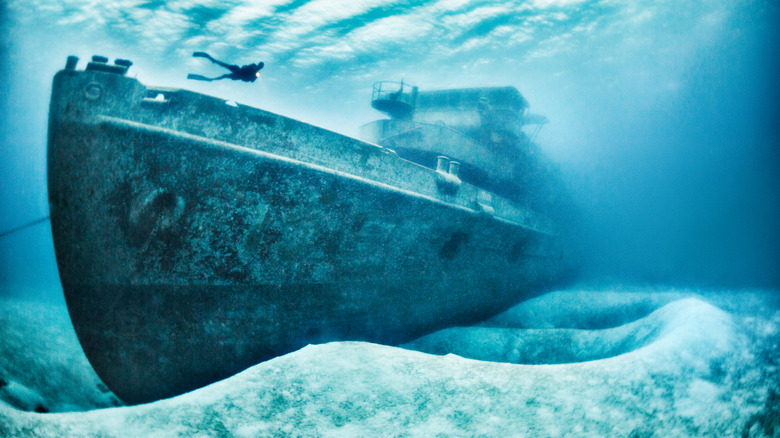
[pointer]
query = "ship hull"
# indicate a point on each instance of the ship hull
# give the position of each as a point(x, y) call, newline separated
point(186, 257)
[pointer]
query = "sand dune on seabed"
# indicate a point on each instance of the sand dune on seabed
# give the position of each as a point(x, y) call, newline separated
point(585, 363)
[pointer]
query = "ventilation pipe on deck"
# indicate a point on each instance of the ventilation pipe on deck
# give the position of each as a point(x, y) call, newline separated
point(447, 180)
point(71, 63)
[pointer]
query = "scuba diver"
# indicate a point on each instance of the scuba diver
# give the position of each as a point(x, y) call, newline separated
point(246, 73)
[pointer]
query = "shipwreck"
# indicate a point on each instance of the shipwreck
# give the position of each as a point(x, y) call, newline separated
point(196, 237)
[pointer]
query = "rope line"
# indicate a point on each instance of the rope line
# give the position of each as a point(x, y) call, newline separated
point(21, 227)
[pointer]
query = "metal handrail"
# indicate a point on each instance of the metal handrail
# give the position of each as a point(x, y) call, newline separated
point(400, 91)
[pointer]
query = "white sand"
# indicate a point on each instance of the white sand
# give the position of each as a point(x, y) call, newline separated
point(678, 365)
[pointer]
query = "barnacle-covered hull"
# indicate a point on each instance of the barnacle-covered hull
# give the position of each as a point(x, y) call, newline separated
point(195, 238)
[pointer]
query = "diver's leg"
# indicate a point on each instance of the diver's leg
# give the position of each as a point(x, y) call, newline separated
point(198, 77)
point(225, 76)
point(220, 63)
point(232, 68)
point(204, 78)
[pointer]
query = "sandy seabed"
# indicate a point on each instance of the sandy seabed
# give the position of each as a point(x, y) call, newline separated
point(640, 362)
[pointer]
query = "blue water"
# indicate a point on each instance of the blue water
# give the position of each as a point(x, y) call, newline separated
point(663, 122)
point(663, 114)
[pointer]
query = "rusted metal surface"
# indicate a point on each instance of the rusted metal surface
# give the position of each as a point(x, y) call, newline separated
point(195, 238)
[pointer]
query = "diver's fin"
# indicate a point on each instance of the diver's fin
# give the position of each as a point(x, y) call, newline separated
point(198, 77)
point(201, 55)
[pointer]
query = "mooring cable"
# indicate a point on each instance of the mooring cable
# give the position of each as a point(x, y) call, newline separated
point(21, 227)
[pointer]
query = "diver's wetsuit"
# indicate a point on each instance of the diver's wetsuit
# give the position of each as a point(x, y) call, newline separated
point(246, 73)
